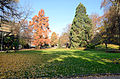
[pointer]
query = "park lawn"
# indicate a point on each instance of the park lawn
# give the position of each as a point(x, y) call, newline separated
point(110, 46)
point(57, 63)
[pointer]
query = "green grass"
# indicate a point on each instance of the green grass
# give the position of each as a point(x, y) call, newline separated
point(110, 46)
point(57, 63)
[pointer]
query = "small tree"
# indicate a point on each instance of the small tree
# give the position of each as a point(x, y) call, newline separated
point(64, 40)
point(95, 23)
point(40, 29)
point(54, 39)
point(25, 33)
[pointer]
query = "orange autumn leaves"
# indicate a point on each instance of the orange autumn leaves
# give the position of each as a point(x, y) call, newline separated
point(54, 39)
point(40, 29)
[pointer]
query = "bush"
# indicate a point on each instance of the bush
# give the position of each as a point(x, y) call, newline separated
point(90, 46)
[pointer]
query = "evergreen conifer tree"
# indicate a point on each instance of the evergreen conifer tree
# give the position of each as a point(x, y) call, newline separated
point(80, 32)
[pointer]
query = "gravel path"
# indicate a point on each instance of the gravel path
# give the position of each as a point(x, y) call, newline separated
point(100, 77)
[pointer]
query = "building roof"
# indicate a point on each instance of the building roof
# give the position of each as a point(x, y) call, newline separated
point(5, 28)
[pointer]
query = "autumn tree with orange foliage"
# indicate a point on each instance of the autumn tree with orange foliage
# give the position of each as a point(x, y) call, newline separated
point(40, 29)
point(54, 39)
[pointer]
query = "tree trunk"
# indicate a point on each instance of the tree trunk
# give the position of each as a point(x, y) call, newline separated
point(119, 33)
point(118, 8)
point(106, 44)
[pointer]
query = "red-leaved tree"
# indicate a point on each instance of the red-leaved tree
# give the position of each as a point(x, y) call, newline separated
point(40, 29)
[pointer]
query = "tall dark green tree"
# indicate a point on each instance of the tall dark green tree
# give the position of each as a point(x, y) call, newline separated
point(80, 32)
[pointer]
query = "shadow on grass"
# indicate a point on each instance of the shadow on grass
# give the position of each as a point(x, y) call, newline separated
point(77, 63)
point(83, 63)
point(69, 63)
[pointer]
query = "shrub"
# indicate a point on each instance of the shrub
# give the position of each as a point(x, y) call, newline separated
point(90, 46)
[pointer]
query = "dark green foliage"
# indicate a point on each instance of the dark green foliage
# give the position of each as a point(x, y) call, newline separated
point(10, 42)
point(90, 46)
point(24, 43)
point(80, 33)
point(44, 46)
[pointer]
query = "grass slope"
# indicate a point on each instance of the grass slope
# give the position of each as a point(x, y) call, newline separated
point(57, 63)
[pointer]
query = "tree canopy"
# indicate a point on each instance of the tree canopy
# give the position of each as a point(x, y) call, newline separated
point(80, 33)
point(41, 29)
point(8, 9)
point(112, 20)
